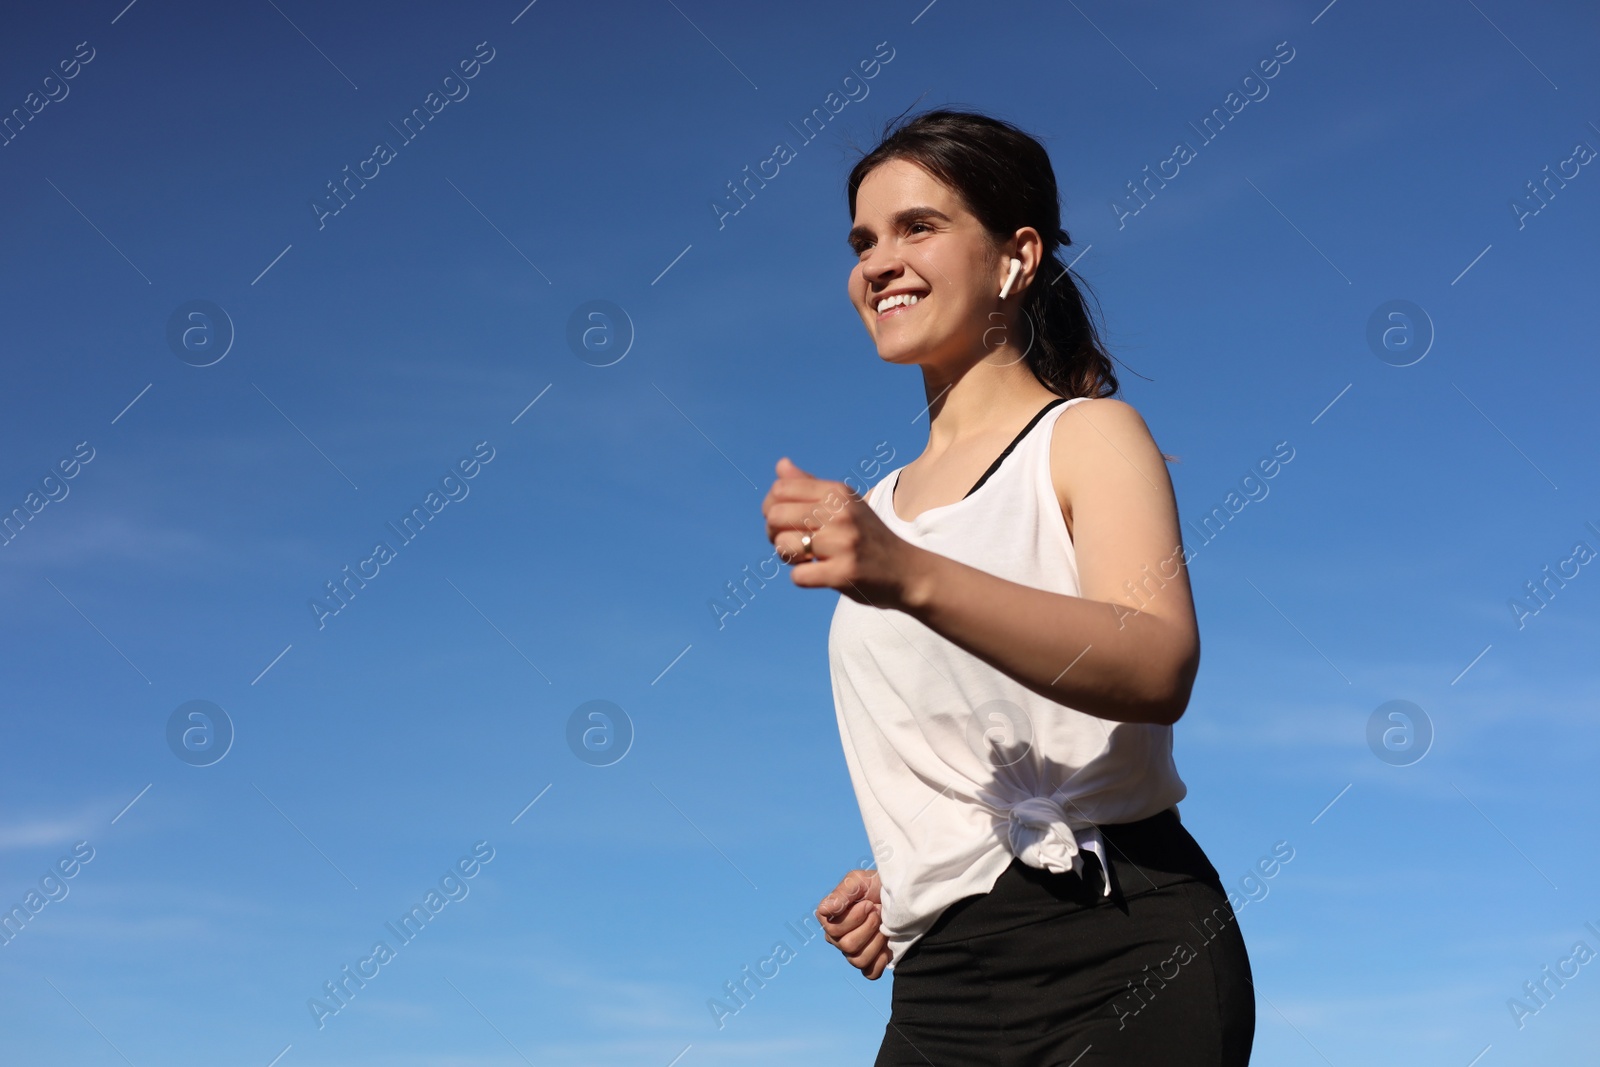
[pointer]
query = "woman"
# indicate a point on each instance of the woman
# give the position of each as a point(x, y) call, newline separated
point(1014, 642)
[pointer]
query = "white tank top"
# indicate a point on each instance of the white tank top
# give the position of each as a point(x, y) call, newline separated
point(958, 767)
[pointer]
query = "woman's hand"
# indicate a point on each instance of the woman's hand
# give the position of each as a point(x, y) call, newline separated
point(851, 548)
point(851, 921)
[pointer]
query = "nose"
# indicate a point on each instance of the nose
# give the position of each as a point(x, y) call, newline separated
point(880, 266)
point(882, 261)
point(879, 275)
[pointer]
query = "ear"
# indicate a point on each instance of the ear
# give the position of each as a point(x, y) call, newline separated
point(1028, 247)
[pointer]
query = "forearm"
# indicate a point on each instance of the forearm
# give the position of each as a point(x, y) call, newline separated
point(1099, 658)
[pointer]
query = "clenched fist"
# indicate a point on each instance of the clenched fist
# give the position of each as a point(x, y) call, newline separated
point(850, 918)
point(851, 548)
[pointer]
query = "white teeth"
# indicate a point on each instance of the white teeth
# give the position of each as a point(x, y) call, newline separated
point(895, 301)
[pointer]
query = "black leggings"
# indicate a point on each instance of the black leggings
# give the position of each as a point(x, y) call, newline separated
point(1042, 971)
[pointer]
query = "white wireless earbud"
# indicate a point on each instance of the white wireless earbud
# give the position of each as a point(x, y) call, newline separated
point(1016, 267)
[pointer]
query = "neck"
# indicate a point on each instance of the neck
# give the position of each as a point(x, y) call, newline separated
point(981, 398)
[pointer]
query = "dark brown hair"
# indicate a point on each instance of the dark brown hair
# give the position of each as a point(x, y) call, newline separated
point(1005, 179)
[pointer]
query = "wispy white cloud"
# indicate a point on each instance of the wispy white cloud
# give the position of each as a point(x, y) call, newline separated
point(39, 831)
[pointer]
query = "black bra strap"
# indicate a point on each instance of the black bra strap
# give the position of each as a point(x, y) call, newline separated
point(1014, 442)
point(998, 459)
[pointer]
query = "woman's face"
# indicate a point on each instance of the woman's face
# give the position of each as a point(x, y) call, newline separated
point(912, 234)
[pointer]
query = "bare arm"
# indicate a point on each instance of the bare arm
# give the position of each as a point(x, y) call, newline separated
point(1119, 654)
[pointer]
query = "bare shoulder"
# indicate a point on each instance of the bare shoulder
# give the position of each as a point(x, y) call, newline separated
point(1103, 446)
point(1106, 415)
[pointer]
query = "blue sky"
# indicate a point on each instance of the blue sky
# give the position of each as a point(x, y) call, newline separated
point(424, 325)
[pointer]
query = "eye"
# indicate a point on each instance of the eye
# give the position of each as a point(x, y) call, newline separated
point(859, 247)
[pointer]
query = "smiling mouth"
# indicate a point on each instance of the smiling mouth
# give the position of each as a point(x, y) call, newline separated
point(898, 309)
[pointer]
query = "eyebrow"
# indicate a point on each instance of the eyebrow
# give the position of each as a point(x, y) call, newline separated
point(900, 218)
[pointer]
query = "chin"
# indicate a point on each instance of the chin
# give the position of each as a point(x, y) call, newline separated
point(901, 353)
